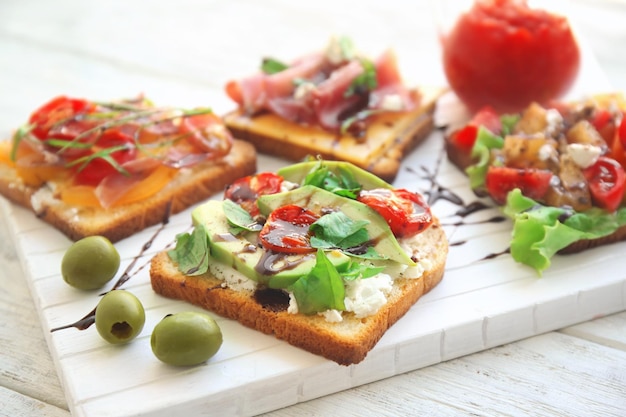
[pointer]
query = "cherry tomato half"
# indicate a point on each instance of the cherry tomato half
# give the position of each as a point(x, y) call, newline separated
point(207, 134)
point(466, 136)
point(406, 213)
point(99, 168)
point(606, 179)
point(57, 110)
point(245, 191)
point(287, 230)
point(534, 183)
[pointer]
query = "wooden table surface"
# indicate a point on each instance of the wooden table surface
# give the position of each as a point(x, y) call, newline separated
point(116, 48)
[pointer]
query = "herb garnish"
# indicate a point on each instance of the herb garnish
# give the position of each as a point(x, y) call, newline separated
point(343, 183)
point(239, 219)
point(272, 66)
point(192, 251)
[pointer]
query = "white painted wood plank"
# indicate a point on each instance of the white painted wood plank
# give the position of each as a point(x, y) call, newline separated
point(15, 404)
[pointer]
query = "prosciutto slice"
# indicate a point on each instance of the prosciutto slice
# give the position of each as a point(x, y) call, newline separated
point(327, 100)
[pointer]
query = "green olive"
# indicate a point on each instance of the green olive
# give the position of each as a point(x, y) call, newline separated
point(90, 263)
point(187, 338)
point(119, 316)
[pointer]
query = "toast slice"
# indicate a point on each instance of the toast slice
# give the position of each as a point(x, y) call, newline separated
point(189, 186)
point(346, 342)
point(388, 138)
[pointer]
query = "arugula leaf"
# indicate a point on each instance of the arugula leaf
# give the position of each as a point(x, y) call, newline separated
point(485, 142)
point(336, 230)
point(344, 184)
point(321, 289)
point(192, 252)
point(238, 218)
point(272, 66)
point(539, 232)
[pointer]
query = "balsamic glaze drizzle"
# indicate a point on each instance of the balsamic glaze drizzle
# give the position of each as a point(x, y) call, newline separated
point(90, 318)
point(436, 192)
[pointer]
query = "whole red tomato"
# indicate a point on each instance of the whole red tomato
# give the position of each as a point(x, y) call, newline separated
point(504, 54)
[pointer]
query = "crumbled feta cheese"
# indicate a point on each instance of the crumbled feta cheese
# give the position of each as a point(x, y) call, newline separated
point(303, 89)
point(547, 152)
point(232, 278)
point(334, 52)
point(365, 297)
point(584, 155)
point(288, 186)
point(293, 304)
point(392, 102)
point(41, 198)
point(554, 120)
point(332, 316)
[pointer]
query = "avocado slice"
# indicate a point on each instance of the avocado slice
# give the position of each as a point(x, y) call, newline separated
point(242, 253)
point(320, 201)
point(297, 173)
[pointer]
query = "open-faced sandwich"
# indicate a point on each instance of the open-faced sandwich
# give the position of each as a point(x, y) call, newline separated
point(112, 169)
point(322, 254)
point(336, 104)
point(558, 172)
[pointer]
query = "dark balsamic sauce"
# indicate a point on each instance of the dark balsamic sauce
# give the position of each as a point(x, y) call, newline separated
point(438, 192)
point(90, 318)
point(272, 299)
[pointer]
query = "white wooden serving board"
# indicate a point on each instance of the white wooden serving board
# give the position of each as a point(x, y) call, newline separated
point(479, 304)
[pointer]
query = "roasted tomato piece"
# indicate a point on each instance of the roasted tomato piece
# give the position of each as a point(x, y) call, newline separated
point(606, 179)
point(108, 154)
point(406, 213)
point(287, 230)
point(245, 191)
point(207, 134)
point(534, 183)
point(465, 137)
point(57, 110)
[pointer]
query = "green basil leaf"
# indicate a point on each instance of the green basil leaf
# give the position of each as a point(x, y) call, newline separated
point(356, 270)
point(364, 82)
point(343, 184)
point(336, 230)
point(192, 252)
point(238, 218)
point(321, 289)
point(272, 66)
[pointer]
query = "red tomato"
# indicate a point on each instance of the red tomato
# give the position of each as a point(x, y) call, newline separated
point(245, 191)
point(533, 183)
point(621, 132)
point(56, 110)
point(487, 117)
point(287, 230)
point(604, 123)
point(606, 180)
point(504, 54)
point(207, 134)
point(99, 168)
point(406, 213)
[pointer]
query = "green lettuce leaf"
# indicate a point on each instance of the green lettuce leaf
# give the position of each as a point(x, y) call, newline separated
point(539, 232)
point(321, 289)
point(485, 142)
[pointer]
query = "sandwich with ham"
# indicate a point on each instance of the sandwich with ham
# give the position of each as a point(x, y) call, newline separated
point(113, 169)
point(335, 103)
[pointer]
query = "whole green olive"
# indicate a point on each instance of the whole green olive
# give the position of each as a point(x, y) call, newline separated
point(90, 263)
point(119, 316)
point(187, 338)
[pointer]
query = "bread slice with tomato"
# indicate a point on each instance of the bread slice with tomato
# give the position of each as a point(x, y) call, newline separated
point(321, 254)
point(335, 104)
point(557, 170)
point(113, 169)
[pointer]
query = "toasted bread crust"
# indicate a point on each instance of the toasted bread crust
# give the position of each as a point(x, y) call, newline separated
point(346, 343)
point(388, 138)
point(187, 188)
